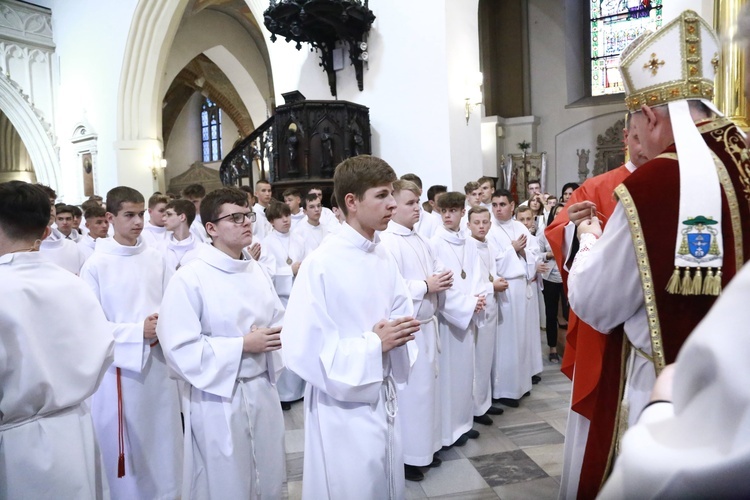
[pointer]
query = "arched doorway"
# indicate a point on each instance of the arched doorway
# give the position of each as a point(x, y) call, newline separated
point(24, 121)
point(144, 81)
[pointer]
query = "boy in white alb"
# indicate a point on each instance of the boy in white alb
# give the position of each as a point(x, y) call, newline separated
point(194, 193)
point(154, 231)
point(65, 220)
point(264, 195)
point(347, 333)
point(293, 199)
point(48, 367)
point(278, 243)
point(457, 341)
point(511, 369)
point(419, 400)
point(310, 233)
point(484, 350)
point(60, 250)
point(136, 409)
point(98, 226)
point(534, 301)
point(219, 327)
point(181, 245)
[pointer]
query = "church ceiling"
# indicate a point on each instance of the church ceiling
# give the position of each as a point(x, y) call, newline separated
point(202, 75)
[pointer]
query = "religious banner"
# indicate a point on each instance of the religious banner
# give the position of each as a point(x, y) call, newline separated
point(519, 169)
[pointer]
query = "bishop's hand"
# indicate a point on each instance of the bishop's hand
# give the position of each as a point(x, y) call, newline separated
point(395, 333)
point(591, 226)
point(581, 211)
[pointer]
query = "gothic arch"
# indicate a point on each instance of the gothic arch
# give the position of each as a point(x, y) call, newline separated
point(152, 33)
point(34, 132)
point(149, 40)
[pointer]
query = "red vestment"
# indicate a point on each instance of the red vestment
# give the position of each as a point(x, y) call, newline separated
point(586, 348)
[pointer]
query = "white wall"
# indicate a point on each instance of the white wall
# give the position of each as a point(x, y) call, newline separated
point(549, 97)
point(90, 36)
point(413, 87)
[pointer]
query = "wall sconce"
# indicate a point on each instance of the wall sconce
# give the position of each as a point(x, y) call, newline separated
point(156, 163)
point(473, 94)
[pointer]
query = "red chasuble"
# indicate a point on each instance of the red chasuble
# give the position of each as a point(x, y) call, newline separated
point(586, 348)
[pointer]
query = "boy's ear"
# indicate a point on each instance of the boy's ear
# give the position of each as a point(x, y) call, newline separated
point(109, 216)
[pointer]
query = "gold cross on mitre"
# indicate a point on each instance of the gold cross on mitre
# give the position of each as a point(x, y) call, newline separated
point(653, 64)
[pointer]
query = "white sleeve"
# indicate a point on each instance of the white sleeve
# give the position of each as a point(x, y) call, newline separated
point(348, 368)
point(131, 351)
point(604, 285)
point(208, 363)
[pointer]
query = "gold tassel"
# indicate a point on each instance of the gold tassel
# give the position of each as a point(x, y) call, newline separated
point(708, 283)
point(697, 282)
point(673, 286)
point(687, 284)
point(717, 283)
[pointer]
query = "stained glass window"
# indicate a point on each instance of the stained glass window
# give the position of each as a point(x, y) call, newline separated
point(614, 24)
point(211, 130)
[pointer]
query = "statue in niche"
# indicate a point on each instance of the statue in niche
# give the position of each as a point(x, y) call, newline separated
point(358, 142)
point(292, 142)
point(583, 161)
point(326, 152)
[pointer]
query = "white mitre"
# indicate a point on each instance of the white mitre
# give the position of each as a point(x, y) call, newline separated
point(676, 64)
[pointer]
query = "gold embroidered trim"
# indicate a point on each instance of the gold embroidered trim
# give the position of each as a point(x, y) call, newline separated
point(644, 269)
point(614, 447)
point(735, 146)
point(734, 211)
point(714, 124)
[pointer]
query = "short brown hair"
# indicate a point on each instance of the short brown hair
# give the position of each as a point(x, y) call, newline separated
point(211, 204)
point(471, 186)
point(194, 191)
point(24, 210)
point(358, 174)
point(94, 211)
point(524, 208)
point(122, 194)
point(452, 199)
point(277, 210)
point(405, 185)
point(484, 179)
point(183, 207)
point(291, 192)
point(157, 198)
point(413, 178)
point(477, 210)
point(48, 191)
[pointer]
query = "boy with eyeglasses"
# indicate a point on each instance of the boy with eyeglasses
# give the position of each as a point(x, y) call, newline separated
point(219, 327)
point(136, 410)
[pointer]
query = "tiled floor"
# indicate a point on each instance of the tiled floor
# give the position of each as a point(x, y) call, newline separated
point(518, 457)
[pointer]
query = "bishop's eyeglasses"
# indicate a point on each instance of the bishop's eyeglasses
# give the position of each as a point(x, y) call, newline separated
point(238, 217)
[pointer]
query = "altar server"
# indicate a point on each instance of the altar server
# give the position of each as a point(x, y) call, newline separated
point(219, 327)
point(347, 333)
point(48, 367)
point(136, 409)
